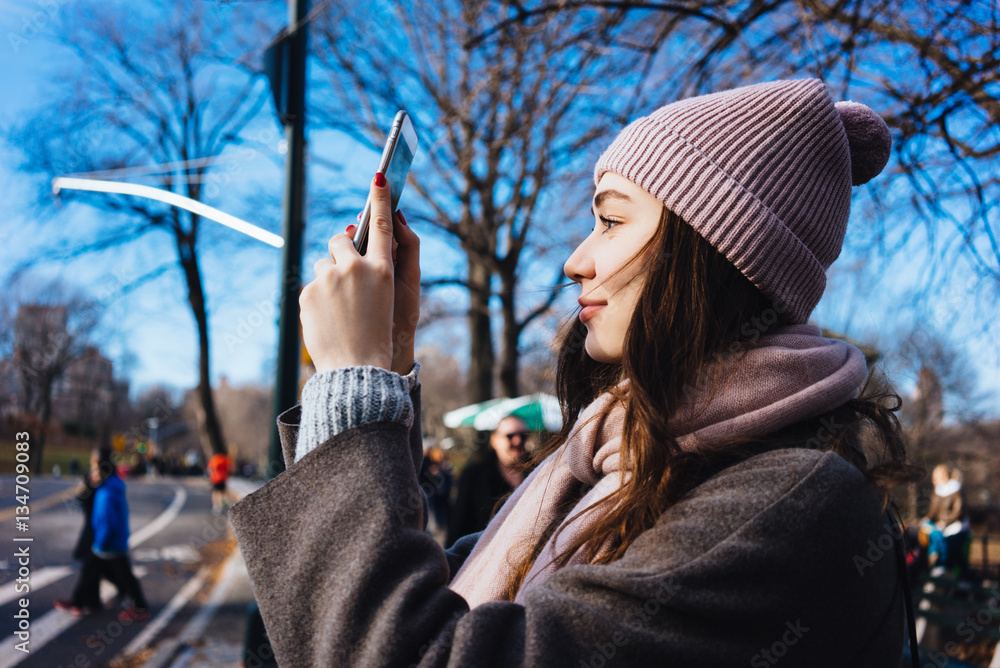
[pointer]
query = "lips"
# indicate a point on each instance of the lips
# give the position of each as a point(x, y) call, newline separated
point(591, 308)
point(589, 312)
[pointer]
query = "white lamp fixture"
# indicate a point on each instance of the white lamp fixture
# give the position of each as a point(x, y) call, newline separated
point(194, 206)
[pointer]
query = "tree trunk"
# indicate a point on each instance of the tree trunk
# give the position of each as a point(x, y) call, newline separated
point(196, 297)
point(918, 436)
point(511, 333)
point(38, 446)
point(481, 355)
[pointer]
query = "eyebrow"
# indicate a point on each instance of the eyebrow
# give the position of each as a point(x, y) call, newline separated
point(610, 194)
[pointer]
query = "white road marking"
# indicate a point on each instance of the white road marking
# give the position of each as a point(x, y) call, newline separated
point(195, 628)
point(165, 518)
point(182, 553)
point(180, 599)
point(49, 626)
point(43, 577)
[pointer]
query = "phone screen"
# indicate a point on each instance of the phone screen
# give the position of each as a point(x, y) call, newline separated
point(395, 173)
point(399, 167)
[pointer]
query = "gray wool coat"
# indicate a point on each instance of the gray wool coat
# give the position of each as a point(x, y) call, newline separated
point(780, 559)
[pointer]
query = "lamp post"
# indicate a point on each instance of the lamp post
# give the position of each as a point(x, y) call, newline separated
point(285, 63)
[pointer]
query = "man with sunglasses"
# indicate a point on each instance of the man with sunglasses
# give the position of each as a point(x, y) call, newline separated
point(489, 479)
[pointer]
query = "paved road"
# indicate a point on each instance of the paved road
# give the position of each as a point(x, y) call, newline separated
point(40, 488)
point(176, 541)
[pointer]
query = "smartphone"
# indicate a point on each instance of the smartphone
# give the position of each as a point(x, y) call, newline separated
point(397, 155)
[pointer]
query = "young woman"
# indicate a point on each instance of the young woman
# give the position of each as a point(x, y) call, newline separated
point(708, 502)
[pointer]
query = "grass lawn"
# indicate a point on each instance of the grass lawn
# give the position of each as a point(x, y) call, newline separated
point(54, 453)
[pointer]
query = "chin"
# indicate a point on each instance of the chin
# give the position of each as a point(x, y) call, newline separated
point(601, 353)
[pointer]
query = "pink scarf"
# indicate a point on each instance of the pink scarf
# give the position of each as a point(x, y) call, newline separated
point(792, 374)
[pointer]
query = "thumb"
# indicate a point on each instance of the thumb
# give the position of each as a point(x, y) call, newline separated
point(380, 225)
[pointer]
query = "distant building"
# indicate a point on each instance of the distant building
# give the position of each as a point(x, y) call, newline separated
point(927, 399)
point(83, 394)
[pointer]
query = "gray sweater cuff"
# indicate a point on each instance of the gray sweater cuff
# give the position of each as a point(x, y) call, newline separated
point(340, 399)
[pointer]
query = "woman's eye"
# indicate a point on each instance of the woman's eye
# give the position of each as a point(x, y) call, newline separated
point(608, 223)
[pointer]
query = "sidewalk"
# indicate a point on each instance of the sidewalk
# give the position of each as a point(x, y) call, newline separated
point(213, 638)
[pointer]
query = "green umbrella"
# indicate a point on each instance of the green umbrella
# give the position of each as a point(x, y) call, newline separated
point(539, 411)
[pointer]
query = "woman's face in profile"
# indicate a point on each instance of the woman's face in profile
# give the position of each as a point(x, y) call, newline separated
point(625, 219)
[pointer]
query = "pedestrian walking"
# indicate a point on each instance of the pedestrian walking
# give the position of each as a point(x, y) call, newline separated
point(436, 481)
point(708, 502)
point(107, 554)
point(86, 596)
point(487, 480)
point(218, 475)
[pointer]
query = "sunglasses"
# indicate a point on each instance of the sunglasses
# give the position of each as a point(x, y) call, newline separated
point(522, 434)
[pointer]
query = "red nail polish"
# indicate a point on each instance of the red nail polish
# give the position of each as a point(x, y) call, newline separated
point(379, 180)
point(350, 228)
point(402, 218)
point(359, 214)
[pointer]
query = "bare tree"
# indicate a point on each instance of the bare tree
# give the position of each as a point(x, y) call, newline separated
point(508, 124)
point(944, 399)
point(246, 415)
point(159, 98)
point(931, 69)
point(51, 330)
point(944, 377)
point(444, 388)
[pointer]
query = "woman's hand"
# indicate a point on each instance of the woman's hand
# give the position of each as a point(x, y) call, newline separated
point(363, 310)
point(406, 304)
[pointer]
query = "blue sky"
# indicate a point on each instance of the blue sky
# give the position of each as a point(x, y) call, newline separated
point(154, 324)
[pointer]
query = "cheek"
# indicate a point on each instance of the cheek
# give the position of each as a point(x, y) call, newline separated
point(630, 299)
point(607, 269)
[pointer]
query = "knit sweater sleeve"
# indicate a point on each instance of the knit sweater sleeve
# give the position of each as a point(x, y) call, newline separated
point(767, 559)
point(340, 399)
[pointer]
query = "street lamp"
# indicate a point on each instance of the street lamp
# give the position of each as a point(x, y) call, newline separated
point(149, 192)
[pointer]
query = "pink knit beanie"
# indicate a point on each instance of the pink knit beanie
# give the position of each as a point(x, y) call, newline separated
point(763, 173)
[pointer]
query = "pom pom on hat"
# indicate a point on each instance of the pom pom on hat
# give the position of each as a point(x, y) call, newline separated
point(869, 140)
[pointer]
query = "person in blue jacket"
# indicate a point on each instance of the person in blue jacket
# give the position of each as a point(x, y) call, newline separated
point(109, 550)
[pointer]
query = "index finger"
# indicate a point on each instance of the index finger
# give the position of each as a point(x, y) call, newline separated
point(380, 224)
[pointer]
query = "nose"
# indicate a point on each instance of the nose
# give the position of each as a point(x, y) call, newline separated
point(580, 265)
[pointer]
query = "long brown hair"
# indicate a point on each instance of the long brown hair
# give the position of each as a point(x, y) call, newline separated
point(695, 310)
